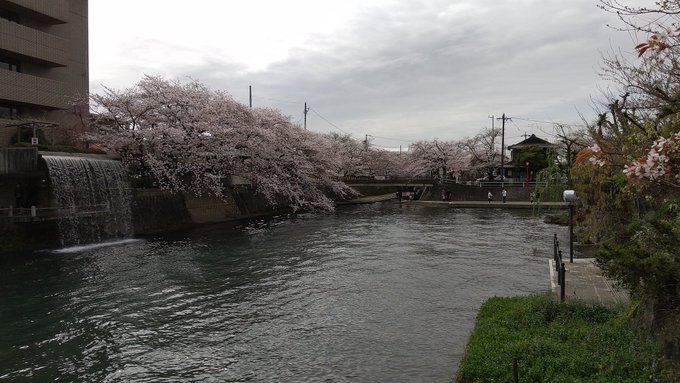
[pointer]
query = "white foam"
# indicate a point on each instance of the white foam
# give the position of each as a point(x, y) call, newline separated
point(75, 249)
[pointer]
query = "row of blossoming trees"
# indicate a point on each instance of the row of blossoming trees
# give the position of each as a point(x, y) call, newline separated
point(629, 179)
point(188, 138)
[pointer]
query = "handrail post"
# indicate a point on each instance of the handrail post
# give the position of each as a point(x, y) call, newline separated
point(11, 211)
point(33, 211)
point(571, 233)
point(559, 274)
point(562, 288)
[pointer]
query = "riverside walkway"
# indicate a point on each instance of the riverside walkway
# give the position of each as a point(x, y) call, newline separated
point(460, 204)
point(495, 204)
point(584, 281)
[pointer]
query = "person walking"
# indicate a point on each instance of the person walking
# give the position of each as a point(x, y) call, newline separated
point(489, 196)
point(505, 195)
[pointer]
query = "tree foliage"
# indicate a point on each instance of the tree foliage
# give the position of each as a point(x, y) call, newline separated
point(189, 138)
point(484, 155)
point(628, 178)
point(437, 158)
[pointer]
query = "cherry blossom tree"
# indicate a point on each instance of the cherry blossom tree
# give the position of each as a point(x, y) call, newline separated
point(627, 180)
point(661, 164)
point(483, 152)
point(438, 159)
point(351, 155)
point(192, 139)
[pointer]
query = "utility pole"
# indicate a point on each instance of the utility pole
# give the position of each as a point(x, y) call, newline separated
point(306, 110)
point(503, 119)
point(366, 142)
point(493, 138)
point(250, 93)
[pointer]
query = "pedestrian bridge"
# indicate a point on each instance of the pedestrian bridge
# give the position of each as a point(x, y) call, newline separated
point(429, 181)
point(389, 181)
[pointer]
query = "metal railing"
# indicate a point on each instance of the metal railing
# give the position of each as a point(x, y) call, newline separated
point(58, 211)
point(559, 266)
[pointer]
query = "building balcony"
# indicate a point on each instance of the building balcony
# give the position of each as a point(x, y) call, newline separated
point(48, 12)
point(30, 44)
point(21, 88)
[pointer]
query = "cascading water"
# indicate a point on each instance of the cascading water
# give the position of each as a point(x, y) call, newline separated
point(92, 197)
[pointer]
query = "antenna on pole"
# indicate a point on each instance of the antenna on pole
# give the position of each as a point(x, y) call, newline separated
point(306, 110)
point(366, 142)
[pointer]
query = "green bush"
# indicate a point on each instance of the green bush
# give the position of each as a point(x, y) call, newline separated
point(645, 258)
point(552, 342)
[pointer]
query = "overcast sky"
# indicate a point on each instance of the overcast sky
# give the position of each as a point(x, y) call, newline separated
point(399, 70)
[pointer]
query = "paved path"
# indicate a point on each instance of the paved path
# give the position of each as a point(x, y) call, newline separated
point(460, 204)
point(495, 204)
point(585, 282)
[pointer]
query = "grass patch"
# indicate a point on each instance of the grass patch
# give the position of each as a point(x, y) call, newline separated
point(553, 342)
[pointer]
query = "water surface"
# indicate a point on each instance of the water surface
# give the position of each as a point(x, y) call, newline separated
point(372, 293)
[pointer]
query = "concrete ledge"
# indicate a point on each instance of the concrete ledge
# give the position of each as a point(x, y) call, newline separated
point(494, 205)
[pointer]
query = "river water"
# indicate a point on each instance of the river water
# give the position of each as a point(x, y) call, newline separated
point(370, 293)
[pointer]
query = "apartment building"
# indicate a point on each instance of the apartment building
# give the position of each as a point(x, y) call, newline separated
point(43, 69)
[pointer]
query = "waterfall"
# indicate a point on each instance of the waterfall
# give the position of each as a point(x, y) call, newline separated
point(92, 198)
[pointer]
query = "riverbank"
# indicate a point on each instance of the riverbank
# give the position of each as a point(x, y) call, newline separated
point(534, 338)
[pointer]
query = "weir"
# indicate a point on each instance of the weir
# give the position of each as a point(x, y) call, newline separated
point(92, 197)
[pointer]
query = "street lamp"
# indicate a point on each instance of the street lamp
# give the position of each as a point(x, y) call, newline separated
point(569, 196)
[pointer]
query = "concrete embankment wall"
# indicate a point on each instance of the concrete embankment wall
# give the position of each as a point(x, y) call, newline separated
point(476, 193)
point(455, 192)
point(157, 211)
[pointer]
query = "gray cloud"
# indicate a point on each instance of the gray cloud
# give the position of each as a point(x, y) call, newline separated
point(426, 69)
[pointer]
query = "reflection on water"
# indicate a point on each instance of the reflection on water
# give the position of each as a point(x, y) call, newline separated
point(372, 293)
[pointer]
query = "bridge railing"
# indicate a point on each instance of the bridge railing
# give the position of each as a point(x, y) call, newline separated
point(444, 181)
point(511, 183)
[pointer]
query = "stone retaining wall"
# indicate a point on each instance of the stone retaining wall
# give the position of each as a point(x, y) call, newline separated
point(157, 211)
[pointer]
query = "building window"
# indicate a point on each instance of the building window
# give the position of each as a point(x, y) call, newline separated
point(8, 111)
point(7, 15)
point(9, 64)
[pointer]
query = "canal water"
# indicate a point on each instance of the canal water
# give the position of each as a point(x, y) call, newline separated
point(370, 293)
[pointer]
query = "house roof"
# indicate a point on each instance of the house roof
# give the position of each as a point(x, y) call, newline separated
point(532, 140)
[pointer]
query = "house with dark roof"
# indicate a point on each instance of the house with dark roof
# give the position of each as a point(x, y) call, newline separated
point(528, 157)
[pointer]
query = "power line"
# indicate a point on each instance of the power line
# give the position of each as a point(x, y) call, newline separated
point(324, 118)
point(276, 99)
point(392, 139)
point(547, 122)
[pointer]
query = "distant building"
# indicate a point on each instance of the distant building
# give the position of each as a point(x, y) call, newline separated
point(528, 157)
point(43, 68)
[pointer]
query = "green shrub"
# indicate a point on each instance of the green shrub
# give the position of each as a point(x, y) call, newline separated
point(552, 342)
